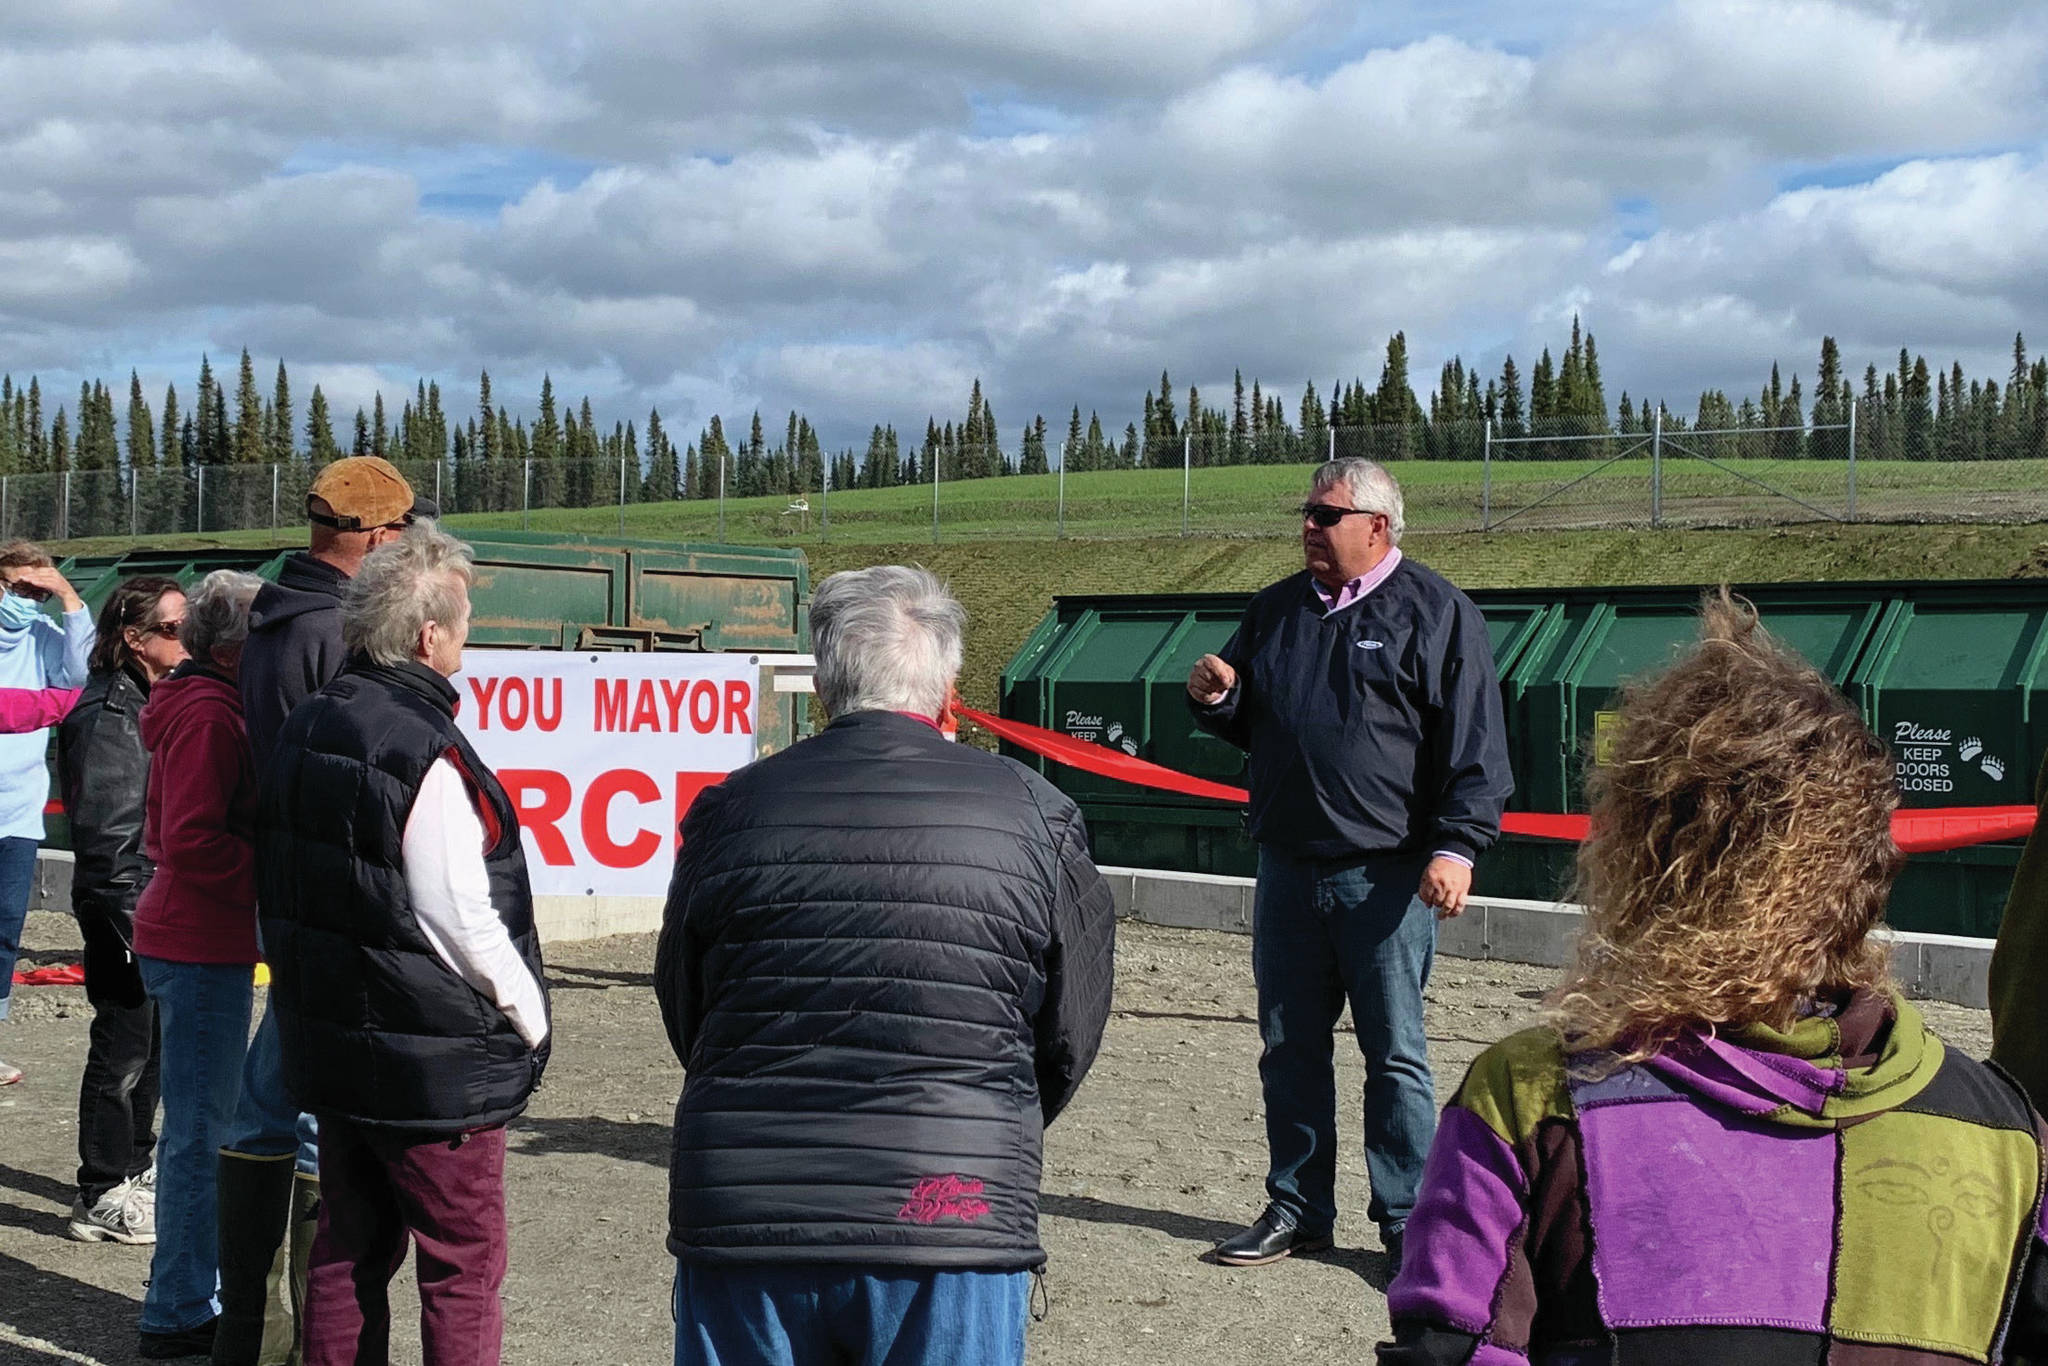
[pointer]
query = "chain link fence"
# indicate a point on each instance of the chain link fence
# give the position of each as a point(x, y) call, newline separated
point(1467, 476)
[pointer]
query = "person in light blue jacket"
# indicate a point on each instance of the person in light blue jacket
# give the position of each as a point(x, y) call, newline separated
point(35, 652)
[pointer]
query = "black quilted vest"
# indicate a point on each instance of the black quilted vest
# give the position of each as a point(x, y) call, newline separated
point(376, 1028)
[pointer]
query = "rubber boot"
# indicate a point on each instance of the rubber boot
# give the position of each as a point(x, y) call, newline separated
point(305, 1225)
point(255, 1196)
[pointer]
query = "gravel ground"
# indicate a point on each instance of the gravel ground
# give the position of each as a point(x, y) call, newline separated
point(1162, 1154)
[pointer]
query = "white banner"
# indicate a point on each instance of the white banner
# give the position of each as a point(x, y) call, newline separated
point(603, 753)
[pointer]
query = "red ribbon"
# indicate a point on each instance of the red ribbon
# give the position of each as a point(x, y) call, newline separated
point(1922, 831)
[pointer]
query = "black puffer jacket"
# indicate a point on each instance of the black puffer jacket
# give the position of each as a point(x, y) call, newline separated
point(886, 964)
point(103, 772)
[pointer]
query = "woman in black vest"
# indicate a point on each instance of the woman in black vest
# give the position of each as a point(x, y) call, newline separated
point(101, 740)
point(408, 992)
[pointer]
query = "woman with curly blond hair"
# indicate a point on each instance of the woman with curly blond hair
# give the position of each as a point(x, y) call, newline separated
point(1734, 1140)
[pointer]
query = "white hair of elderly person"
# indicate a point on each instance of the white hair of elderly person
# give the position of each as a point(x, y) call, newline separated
point(216, 624)
point(409, 602)
point(1371, 488)
point(887, 638)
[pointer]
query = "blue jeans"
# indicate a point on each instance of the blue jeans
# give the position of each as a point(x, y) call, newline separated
point(827, 1315)
point(267, 1122)
point(203, 1013)
point(1322, 934)
point(17, 879)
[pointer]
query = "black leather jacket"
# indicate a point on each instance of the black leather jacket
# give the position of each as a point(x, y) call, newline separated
point(103, 770)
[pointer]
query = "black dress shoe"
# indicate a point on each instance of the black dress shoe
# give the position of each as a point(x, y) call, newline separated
point(192, 1342)
point(1274, 1236)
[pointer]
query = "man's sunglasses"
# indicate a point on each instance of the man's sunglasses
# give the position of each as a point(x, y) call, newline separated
point(1326, 516)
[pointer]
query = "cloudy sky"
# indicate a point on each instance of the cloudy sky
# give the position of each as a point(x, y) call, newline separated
point(856, 209)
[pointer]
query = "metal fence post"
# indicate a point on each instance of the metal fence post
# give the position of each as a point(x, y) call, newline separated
point(825, 499)
point(935, 494)
point(64, 519)
point(437, 488)
point(134, 501)
point(273, 496)
point(1187, 465)
point(526, 498)
point(1333, 443)
point(1657, 471)
point(721, 495)
point(1852, 457)
point(1059, 530)
point(199, 511)
point(1486, 480)
point(622, 495)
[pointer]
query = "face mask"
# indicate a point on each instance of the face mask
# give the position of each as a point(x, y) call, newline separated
point(18, 613)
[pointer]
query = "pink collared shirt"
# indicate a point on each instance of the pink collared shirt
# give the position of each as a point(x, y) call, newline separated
point(1336, 600)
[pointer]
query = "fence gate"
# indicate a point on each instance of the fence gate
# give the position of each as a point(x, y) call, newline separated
point(1735, 476)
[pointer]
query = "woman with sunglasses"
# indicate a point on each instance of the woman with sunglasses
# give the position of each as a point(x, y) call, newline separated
point(102, 769)
point(36, 653)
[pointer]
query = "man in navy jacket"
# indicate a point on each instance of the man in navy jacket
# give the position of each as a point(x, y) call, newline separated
point(1364, 691)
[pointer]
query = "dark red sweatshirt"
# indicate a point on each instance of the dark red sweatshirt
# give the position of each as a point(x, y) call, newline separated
point(199, 822)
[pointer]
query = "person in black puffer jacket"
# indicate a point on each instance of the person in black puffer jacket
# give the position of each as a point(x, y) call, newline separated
point(886, 964)
point(102, 769)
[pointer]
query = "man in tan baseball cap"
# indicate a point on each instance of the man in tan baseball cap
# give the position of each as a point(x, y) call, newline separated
point(268, 1180)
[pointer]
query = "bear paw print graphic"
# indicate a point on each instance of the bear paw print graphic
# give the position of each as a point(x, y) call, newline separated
point(1994, 769)
point(1970, 749)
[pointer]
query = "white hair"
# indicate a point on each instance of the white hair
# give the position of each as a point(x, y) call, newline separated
point(1370, 487)
point(887, 639)
point(422, 576)
point(217, 615)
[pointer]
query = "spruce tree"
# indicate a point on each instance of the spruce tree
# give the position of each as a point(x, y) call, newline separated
point(204, 415)
point(361, 445)
point(1240, 423)
point(380, 430)
point(1512, 420)
point(1593, 396)
point(1315, 425)
point(168, 454)
point(1917, 428)
point(249, 448)
point(321, 449)
point(1394, 406)
point(283, 437)
point(142, 429)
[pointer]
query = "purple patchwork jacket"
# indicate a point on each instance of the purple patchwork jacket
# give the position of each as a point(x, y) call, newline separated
point(1846, 1193)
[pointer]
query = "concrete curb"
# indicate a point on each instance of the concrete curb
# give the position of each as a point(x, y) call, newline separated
point(1935, 967)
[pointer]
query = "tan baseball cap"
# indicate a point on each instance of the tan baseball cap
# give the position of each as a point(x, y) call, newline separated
point(363, 492)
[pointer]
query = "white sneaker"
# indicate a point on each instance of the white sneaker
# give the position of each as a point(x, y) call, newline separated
point(142, 1190)
point(9, 1074)
point(119, 1216)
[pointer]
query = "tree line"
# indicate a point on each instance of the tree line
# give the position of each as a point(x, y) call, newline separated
point(481, 460)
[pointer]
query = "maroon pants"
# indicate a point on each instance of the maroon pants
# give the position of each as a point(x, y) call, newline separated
point(376, 1191)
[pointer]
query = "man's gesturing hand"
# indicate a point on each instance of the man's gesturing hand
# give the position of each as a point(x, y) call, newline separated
point(1210, 680)
point(1445, 884)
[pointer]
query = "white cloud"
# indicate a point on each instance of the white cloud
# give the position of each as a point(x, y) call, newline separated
point(858, 210)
